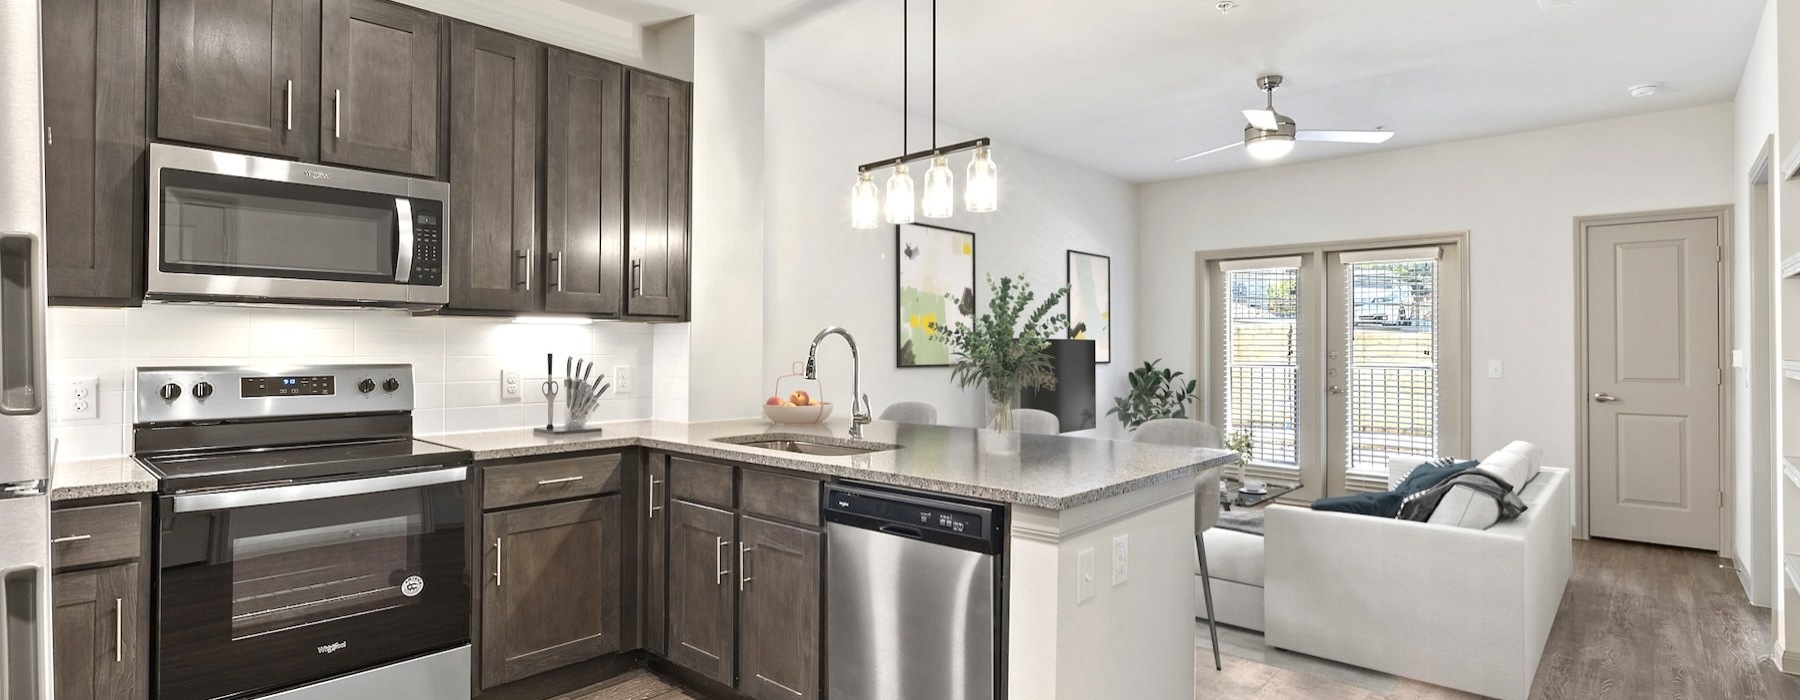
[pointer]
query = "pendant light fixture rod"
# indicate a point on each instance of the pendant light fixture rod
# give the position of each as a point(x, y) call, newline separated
point(905, 75)
point(934, 141)
point(926, 154)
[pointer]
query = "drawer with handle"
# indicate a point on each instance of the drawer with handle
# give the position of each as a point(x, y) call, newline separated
point(96, 535)
point(550, 480)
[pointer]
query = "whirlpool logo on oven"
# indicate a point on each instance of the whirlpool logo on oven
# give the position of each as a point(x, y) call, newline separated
point(334, 646)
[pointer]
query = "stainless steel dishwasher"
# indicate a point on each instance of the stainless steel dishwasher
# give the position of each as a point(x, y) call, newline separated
point(916, 591)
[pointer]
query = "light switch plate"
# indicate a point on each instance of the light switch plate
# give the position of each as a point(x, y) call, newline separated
point(621, 379)
point(1084, 576)
point(1121, 559)
point(509, 385)
point(81, 399)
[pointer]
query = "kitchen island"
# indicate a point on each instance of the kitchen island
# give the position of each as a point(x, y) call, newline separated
point(1075, 627)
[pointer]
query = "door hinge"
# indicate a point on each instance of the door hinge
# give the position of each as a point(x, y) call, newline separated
point(1718, 253)
point(1721, 499)
point(1720, 376)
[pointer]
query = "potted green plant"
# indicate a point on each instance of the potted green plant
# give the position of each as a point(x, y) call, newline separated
point(1006, 348)
point(1245, 446)
point(1155, 393)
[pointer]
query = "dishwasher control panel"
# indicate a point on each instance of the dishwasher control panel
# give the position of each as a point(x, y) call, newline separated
point(928, 517)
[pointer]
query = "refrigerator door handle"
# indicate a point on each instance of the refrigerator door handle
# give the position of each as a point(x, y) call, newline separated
point(24, 656)
point(21, 324)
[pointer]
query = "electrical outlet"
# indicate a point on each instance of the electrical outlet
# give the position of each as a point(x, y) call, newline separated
point(1084, 576)
point(81, 399)
point(621, 379)
point(1121, 559)
point(1496, 369)
point(509, 385)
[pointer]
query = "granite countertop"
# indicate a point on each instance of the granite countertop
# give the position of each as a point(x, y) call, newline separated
point(1047, 471)
point(95, 478)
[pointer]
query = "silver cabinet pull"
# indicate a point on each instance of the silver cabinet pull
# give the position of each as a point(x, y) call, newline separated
point(637, 278)
point(288, 96)
point(556, 266)
point(719, 569)
point(1604, 397)
point(653, 507)
point(118, 629)
point(564, 480)
point(71, 538)
point(743, 570)
point(337, 114)
point(498, 562)
point(525, 267)
point(49, 135)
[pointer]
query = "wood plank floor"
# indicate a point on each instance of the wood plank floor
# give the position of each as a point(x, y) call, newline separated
point(1637, 621)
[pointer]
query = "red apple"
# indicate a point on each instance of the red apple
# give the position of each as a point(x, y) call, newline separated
point(800, 398)
point(773, 401)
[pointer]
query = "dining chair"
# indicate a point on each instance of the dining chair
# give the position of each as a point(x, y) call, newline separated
point(914, 412)
point(1192, 433)
point(1036, 422)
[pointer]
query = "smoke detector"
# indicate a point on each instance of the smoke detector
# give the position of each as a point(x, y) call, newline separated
point(1644, 90)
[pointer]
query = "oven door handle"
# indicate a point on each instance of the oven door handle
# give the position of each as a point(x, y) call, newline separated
point(225, 500)
point(403, 256)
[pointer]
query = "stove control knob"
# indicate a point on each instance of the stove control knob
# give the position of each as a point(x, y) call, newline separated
point(366, 386)
point(203, 390)
point(169, 392)
point(391, 385)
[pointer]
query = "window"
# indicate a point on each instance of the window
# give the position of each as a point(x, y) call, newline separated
point(1335, 360)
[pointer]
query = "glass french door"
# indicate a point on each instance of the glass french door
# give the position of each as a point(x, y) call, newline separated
point(1335, 361)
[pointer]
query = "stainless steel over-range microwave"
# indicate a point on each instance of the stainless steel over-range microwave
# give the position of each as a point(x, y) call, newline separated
point(232, 227)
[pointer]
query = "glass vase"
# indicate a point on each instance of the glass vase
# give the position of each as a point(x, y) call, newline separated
point(1000, 405)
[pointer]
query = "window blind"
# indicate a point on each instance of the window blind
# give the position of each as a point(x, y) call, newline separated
point(1262, 357)
point(1392, 362)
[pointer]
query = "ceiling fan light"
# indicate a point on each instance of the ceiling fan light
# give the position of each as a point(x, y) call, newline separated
point(982, 193)
point(865, 203)
point(1270, 147)
point(900, 196)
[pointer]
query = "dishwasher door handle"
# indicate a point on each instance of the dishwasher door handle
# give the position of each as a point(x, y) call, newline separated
point(903, 531)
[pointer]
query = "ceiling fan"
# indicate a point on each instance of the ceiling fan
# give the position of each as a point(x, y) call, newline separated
point(1271, 135)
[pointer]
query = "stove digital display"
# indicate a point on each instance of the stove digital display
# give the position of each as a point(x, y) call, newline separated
point(260, 387)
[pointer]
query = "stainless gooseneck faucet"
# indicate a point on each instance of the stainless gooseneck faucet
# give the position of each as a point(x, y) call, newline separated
point(859, 402)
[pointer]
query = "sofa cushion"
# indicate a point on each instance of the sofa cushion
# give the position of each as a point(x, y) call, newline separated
point(1465, 507)
point(1514, 468)
point(1431, 474)
point(1381, 504)
point(1233, 556)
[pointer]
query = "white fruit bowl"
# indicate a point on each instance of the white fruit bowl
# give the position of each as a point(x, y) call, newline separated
point(797, 415)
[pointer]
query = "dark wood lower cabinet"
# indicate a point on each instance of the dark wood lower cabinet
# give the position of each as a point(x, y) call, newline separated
point(655, 558)
point(551, 592)
point(702, 590)
point(779, 610)
point(99, 651)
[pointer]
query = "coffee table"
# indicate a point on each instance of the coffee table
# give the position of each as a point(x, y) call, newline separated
point(1230, 497)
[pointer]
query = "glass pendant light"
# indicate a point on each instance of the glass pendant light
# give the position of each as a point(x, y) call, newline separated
point(900, 196)
point(983, 193)
point(940, 189)
point(865, 203)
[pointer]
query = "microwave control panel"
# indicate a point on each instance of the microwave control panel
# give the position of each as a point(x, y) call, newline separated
point(428, 244)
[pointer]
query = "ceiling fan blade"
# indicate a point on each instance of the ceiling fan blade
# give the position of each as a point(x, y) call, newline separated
point(1262, 119)
point(1226, 147)
point(1344, 136)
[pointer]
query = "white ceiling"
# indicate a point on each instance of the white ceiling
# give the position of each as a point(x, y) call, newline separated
point(1127, 86)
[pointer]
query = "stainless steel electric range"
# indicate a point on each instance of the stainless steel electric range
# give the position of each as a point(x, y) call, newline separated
point(308, 547)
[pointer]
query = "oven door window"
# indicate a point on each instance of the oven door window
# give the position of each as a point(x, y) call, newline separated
point(225, 225)
point(264, 597)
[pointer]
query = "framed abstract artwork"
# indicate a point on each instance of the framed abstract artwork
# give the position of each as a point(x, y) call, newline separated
point(936, 285)
point(1090, 302)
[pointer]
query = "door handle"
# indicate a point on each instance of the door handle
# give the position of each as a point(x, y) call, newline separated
point(653, 507)
point(525, 267)
point(556, 270)
point(1603, 397)
point(337, 114)
point(743, 554)
point(118, 630)
point(403, 258)
point(564, 480)
point(288, 97)
point(71, 539)
point(637, 278)
point(497, 562)
point(719, 568)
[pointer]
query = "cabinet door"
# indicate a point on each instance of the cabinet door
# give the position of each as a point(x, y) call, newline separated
point(94, 145)
point(702, 590)
point(98, 648)
point(378, 99)
point(239, 74)
point(495, 107)
point(656, 555)
point(779, 573)
point(660, 176)
point(584, 196)
point(551, 596)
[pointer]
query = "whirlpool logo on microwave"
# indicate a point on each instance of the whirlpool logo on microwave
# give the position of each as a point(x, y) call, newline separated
point(334, 646)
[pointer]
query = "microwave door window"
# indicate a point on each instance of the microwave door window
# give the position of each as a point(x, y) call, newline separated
point(215, 224)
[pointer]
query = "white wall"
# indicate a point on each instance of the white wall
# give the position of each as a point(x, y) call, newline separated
point(1754, 261)
point(456, 361)
point(821, 272)
point(1516, 195)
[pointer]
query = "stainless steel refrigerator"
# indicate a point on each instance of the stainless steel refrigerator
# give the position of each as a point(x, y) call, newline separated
point(24, 432)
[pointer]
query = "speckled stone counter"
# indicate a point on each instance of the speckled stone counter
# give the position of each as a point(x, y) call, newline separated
point(1046, 471)
point(96, 478)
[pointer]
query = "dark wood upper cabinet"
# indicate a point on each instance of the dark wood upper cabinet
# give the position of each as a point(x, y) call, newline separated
point(496, 105)
point(584, 196)
point(99, 651)
point(779, 610)
point(551, 592)
point(241, 75)
point(378, 92)
point(702, 583)
point(659, 180)
point(94, 147)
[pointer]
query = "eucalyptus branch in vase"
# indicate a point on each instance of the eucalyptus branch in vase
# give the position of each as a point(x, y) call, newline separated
point(1006, 348)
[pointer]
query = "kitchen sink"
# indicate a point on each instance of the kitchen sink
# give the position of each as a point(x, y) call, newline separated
point(804, 446)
